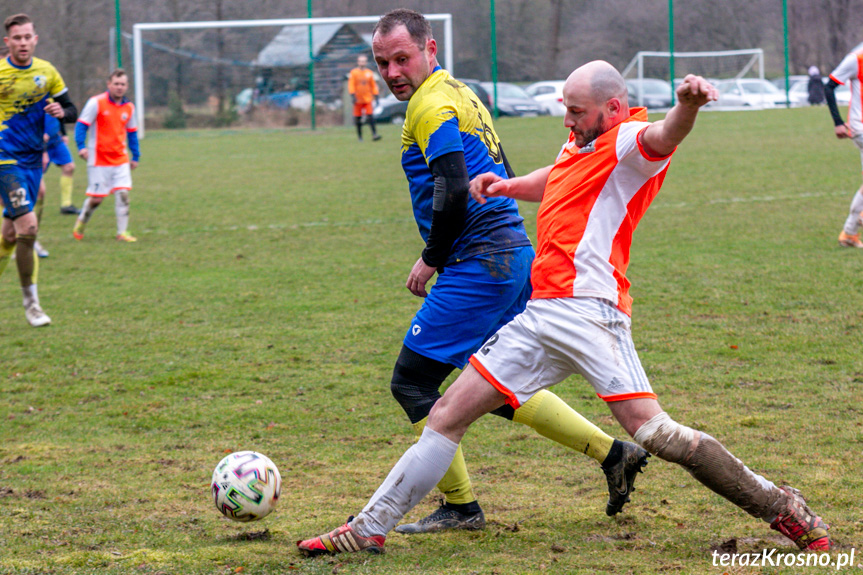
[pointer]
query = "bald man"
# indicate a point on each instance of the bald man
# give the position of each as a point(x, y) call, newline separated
point(578, 320)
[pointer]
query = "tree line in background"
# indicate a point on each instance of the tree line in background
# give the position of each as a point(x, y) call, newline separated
point(536, 39)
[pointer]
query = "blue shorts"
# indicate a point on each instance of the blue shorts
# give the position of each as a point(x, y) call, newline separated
point(18, 189)
point(470, 301)
point(59, 154)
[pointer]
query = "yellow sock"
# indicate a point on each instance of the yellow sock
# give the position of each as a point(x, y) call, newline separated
point(554, 419)
point(455, 484)
point(6, 250)
point(35, 267)
point(66, 190)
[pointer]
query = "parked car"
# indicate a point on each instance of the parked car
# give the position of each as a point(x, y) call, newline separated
point(389, 109)
point(549, 93)
point(799, 93)
point(748, 93)
point(513, 100)
point(792, 79)
point(650, 92)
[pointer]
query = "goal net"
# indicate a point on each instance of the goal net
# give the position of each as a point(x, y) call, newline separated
point(260, 72)
point(717, 65)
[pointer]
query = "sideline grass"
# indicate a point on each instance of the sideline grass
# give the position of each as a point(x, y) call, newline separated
point(263, 306)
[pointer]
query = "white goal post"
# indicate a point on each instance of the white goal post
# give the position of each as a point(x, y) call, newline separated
point(138, 29)
point(749, 58)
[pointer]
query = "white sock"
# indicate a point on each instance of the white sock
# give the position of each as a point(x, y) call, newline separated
point(121, 208)
point(413, 477)
point(31, 294)
point(852, 222)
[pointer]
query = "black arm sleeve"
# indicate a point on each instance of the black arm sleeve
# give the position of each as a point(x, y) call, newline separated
point(68, 108)
point(831, 102)
point(449, 206)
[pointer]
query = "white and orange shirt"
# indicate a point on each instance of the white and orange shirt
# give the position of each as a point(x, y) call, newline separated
point(593, 200)
point(850, 71)
point(108, 123)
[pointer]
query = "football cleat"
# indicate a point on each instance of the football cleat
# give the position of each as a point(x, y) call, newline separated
point(40, 251)
point(78, 230)
point(800, 524)
point(444, 518)
point(849, 241)
point(70, 210)
point(621, 476)
point(341, 540)
point(35, 316)
point(126, 237)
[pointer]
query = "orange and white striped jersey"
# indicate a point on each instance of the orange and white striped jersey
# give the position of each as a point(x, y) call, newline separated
point(850, 70)
point(593, 200)
point(108, 122)
point(362, 84)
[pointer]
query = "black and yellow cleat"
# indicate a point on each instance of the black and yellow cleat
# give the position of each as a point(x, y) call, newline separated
point(442, 519)
point(621, 476)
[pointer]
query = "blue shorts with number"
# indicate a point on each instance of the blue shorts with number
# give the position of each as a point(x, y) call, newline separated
point(470, 301)
point(18, 189)
point(59, 154)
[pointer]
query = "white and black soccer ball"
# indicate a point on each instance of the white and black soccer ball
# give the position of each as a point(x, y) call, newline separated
point(246, 486)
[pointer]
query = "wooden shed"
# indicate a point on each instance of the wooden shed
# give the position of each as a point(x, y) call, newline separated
point(335, 48)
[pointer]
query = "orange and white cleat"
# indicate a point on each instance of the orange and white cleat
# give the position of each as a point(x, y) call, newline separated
point(800, 524)
point(78, 230)
point(341, 540)
point(849, 241)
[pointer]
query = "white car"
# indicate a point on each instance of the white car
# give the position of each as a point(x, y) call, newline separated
point(799, 93)
point(549, 94)
point(748, 93)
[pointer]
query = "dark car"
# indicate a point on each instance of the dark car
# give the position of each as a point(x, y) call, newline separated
point(389, 109)
point(513, 100)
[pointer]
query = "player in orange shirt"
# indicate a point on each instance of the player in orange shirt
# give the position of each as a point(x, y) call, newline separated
point(364, 90)
point(578, 320)
point(112, 119)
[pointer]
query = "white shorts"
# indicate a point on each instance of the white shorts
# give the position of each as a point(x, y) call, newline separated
point(105, 180)
point(555, 338)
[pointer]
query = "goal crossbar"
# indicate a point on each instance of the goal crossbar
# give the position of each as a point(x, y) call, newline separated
point(757, 57)
point(138, 29)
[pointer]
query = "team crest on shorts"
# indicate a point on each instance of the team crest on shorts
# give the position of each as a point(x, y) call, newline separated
point(416, 329)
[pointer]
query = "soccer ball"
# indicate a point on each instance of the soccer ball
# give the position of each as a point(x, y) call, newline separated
point(246, 486)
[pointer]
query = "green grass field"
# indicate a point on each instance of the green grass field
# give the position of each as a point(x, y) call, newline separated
point(264, 305)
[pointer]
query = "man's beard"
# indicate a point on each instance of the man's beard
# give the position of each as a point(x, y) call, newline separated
point(594, 131)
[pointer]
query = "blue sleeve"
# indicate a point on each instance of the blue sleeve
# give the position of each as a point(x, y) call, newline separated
point(133, 145)
point(81, 135)
point(52, 125)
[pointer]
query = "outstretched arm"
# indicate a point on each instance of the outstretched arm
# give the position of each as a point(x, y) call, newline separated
point(530, 187)
point(660, 138)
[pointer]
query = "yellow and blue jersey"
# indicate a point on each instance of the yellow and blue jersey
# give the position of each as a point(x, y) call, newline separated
point(24, 93)
point(445, 116)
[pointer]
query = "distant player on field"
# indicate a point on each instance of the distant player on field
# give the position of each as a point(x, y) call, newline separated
point(364, 90)
point(56, 152)
point(111, 120)
point(31, 88)
point(849, 70)
point(57, 148)
point(482, 256)
point(578, 321)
